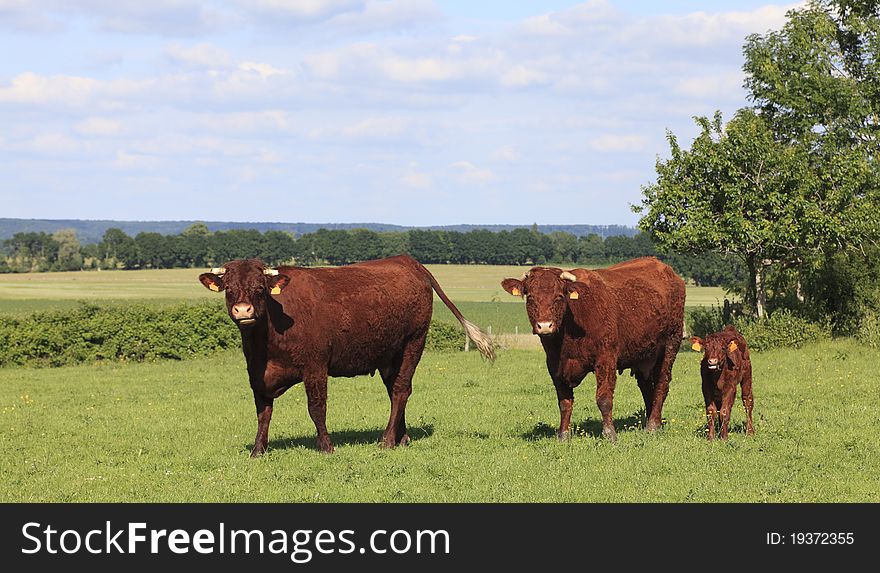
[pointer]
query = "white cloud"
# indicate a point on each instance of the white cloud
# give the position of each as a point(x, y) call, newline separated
point(51, 144)
point(134, 161)
point(300, 11)
point(21, 16)
point(204, 55)
point(99, 126)
point(618, 143)
point(507, 153)
point(586, 17)
point(416, 179)
point(718, 86)
point(470, 173)
point(702, 29)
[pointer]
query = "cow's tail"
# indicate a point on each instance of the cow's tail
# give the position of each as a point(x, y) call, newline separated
point(481, 339)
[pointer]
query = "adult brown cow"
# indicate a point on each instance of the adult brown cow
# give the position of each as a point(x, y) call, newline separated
point(628, 315)
point(303, 325)
point(726, 364)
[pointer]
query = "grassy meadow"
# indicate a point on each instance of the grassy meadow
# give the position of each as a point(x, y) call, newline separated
point(177, 431)
point(181, 431)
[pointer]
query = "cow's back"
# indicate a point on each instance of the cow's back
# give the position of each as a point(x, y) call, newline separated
point(356, 317)
point(640, 305)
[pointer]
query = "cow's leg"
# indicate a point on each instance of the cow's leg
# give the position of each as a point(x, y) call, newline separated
point(711, 410)
point(606, 379)
point(398, 382)
point(316, 394)
point(662, 375)
point(565, 395)
point(727, 401)
point(646, 385)
point(264, 416)
point(747, 398)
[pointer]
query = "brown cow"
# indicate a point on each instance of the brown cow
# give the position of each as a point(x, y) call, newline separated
point(303, 325)
point(725, 365)
point(628, 315)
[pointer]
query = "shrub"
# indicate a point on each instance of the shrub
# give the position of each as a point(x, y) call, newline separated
point(704, 320)
point(444, 336)
point(868, 331)
point(135, 332)
point(138, 333)
point(782, 329)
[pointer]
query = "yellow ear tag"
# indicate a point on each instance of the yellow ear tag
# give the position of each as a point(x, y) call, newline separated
point(732, 346)
point(697, 346)
point(515, 292)
point(275, 290)
point(214, 287)
point(573, 295)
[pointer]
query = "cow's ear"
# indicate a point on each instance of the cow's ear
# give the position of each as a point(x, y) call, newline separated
point(277, 283)
point(211, 281)
point(513, 286)
point(575, 290)
point(696, 343)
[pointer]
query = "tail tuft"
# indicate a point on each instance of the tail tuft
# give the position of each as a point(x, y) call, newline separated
point(481, 339)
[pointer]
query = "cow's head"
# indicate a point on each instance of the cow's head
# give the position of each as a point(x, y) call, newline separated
point(248, 284)
point(718, 351)
point(548, 293)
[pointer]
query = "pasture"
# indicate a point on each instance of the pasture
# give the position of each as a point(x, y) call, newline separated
point(181, 432)
point(173, 431)
point(475, 289)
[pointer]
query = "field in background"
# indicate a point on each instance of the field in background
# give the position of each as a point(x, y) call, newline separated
point(25, 293)
point(181, 432)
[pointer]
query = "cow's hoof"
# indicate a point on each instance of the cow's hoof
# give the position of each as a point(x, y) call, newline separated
point(563, 436)
point(404, 440)
point(257, 452)
point(652, 426)
point(325, 446)
point(610, 434)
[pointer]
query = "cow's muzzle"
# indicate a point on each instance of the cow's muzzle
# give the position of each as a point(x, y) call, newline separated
point(243, 314)
point(713, 364)
point(545, 327)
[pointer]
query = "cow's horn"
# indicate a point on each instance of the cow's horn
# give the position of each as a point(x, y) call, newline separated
point(218, 270)
point(270, 272)
point(567, 276)
point(525, 275)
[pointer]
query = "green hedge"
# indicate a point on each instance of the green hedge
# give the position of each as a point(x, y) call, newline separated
point(138, 333)
point(782, 329)
point(130, 332)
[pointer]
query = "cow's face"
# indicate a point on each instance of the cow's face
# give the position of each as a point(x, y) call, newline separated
point(248, 284)
point(548, 293)
point(718, 351)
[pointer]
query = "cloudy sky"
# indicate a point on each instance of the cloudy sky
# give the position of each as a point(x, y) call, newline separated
point(415, 112)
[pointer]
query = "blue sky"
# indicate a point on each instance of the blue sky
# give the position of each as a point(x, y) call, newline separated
point(414, 112)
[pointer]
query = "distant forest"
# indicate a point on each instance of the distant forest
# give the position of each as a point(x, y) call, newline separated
point(198, 247)
point(92, 231)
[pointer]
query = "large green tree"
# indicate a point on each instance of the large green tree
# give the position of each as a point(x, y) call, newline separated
point(794, 180)
point(737, 191)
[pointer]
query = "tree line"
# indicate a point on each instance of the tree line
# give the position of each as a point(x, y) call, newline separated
point(197, 247)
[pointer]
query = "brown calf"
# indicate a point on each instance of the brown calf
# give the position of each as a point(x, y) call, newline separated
point(725, 365)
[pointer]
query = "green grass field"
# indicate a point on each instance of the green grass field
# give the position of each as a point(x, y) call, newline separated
point(27, 293)
point(181, 431)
